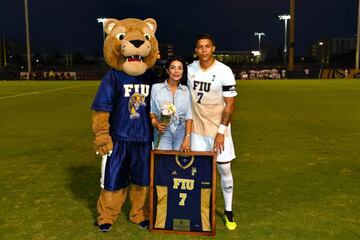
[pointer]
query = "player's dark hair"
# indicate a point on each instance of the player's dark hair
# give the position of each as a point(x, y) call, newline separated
point(205, 36)
point(183, 80)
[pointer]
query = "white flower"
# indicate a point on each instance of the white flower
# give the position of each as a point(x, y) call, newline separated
point(165, 112)
point(168, 109)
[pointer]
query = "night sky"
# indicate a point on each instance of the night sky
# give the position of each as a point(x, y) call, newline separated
point(71, 25)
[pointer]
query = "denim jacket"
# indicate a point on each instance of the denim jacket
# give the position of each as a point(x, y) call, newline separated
point(161, 94)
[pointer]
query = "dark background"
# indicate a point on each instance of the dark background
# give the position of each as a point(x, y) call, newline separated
point(71, 25)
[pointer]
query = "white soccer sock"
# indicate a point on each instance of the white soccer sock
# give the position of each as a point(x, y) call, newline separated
point(227, 184)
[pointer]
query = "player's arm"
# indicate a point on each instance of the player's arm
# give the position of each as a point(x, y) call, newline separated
point(225, 120)
point(228, 111)
point(185, 146)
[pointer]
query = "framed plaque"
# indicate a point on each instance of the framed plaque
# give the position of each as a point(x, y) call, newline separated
point(183, 192)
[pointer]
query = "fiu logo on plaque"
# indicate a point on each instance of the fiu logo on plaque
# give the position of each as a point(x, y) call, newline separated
point(193, 171)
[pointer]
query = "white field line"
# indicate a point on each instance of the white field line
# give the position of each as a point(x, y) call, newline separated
point(40, 92)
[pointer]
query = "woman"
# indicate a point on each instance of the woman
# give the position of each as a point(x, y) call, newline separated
point(175, 134)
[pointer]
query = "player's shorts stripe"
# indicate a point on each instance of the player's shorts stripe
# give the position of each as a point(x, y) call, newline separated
point(103, 165)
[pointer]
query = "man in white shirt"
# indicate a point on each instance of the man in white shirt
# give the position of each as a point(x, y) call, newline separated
point(212, 87)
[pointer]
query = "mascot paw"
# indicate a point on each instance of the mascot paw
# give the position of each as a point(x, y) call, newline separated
point(103, 144)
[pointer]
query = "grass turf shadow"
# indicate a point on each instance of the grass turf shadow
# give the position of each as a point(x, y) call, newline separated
point(85, 186)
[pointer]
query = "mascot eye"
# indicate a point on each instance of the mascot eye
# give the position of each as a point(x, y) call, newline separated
point(120, 36)
point(147, 36)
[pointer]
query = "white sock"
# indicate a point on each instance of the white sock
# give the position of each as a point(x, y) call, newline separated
point(227, 184)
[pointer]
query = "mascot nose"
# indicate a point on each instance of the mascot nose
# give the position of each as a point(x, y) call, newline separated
point(137, 43)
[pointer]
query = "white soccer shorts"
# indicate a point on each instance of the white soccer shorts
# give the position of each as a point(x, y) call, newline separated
point(201, 143)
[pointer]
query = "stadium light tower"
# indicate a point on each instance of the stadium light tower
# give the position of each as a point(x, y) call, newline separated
point(27, 35)
point(358, 40)
point(285, 17)
point(292, 35)
point(259, 36)
point(321, 44)
point(102, 20)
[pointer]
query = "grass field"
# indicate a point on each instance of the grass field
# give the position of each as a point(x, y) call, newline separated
point(297, 172)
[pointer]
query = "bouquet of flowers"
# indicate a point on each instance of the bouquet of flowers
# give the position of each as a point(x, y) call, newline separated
point(168, 111)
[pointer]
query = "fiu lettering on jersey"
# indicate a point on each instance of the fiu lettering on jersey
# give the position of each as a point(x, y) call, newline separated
point(184, 184)
point(201, 86)
point(137, 88)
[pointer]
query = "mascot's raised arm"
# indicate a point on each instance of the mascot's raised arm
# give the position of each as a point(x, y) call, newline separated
point(121, 121)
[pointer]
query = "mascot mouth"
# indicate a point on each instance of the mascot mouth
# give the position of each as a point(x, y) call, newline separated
point(135, 58)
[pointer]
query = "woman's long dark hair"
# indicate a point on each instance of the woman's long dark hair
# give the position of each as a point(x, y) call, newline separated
point(183, 80)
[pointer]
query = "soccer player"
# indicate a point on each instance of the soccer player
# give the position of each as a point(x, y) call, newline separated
point(212, 87)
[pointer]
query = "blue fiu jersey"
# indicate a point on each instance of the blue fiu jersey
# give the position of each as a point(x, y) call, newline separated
point(127, 98)
point(183, 192)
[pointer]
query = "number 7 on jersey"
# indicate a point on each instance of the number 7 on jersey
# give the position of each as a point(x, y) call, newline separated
point(200, 95)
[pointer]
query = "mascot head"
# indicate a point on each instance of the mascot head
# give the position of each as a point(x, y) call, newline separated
point(130, 45)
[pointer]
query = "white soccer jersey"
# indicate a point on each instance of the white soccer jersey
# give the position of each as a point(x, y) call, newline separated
point(208, 89)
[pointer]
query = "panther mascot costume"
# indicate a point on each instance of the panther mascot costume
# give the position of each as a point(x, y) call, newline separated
point(120, 119)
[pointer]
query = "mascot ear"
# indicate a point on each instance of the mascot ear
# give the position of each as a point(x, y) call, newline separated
point(151, 23)
point(110, 24)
